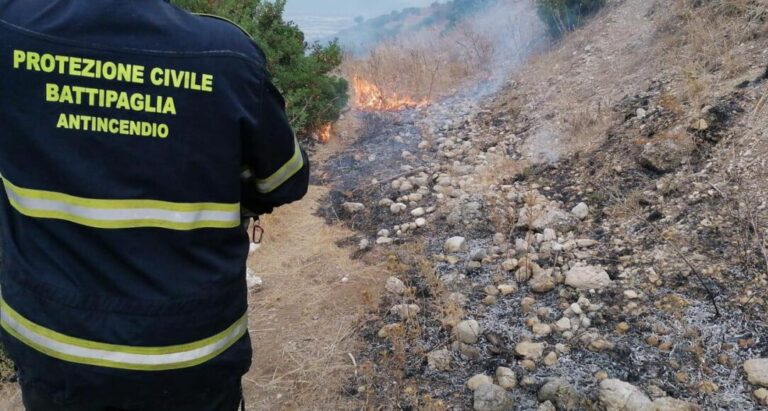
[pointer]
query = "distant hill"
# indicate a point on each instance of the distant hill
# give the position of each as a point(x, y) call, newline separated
point(438, 16)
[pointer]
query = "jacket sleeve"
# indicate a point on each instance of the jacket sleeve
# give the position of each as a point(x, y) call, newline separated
point(276, 167)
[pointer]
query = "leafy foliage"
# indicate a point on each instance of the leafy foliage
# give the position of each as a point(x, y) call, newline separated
point(303, 72)
point(562, 16)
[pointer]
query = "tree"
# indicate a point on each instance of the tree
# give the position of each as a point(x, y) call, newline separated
point(303, 72)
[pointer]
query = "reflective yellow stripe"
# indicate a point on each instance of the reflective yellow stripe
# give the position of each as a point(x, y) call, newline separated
point(288, 170)
point(87, 352)
point(116, 214)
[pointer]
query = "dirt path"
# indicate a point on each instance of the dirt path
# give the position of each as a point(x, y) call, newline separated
point(303, 323)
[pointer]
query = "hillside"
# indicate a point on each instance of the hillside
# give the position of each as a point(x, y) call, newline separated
point(437, 17)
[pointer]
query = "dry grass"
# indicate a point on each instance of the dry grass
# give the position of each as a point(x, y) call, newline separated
point(303, 324)
point(424, 66)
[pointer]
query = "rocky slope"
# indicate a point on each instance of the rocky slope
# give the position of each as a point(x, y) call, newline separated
point(585, 239)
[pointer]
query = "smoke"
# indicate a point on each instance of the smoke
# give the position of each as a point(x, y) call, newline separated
point(465, 46)
point(515, 31)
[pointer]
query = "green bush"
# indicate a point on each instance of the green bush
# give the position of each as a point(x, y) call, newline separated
point(302, 72)
point(561, 16)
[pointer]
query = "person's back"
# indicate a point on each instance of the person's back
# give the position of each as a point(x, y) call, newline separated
point(126, 128)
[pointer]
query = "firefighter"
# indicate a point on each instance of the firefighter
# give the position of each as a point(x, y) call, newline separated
point(126, 129)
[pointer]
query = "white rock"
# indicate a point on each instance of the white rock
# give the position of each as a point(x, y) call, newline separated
point(253, 281)
point(468, 332)
point(455, 244)
point(617, 395)
point(757, 371)
point(564, 324)
point(581, 211)
point(478, 380)
point(364, 244)
point(507, 289)
point(395, 286)
point(542, 330)
point(510, 265)
point(406, 311)
point(398, 208)
point(421, 222)
point(576, 308)
point(490, 397)
point(383, 233)
point(506, 378)
point(353, 208)
point(630, 295)
point(529, 350)
point(550, 234)
point(440, 360)
point(384, 241)
point(587, 278)
point(386, 203)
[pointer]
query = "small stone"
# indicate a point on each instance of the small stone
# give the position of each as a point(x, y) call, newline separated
point(406, 311)
point(528, 365)
point(757, 371)
point(576, 308)
point(652, 340)
point(395, 286)
point(543, 282)
point(421, 222)
point(419, 212)
point(671, 404)
point(622, 328)
point(384, 241)
point(550, 359)
point(478, 254)
point(708, 387)
point(364, 244)
point(506, 378)
point(700, 125)
point(353, 208)
point(762, 396)
point(617, 395)
point(641, 113)
point(468, 332)
point(507, 289)
point(455, 244)
point(600, 345)
point(478, 380)
point(490, 397)
point(581, 211)
point(253, 281)
point(490, 300)
point(383, 233)
point(529, 350)
point(510, 265)
point(562, 394)
point(440, 360)
point(542, 330)
point(601, 376)
point(397, 208)
point(546, 406)
point(631, 295)
point(563, 324)
point(587, 278)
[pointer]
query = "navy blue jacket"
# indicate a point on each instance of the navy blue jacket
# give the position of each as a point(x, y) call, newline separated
point(125, 128)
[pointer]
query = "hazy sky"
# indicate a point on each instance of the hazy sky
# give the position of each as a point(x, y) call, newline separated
point(366, 8)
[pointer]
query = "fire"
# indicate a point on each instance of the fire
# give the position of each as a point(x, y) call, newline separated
point(369, 96)
point(324, 133)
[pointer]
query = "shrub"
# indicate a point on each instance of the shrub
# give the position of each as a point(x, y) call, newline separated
point(302, 72)
point(561, 16)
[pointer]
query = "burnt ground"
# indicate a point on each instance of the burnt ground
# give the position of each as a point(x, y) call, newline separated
point(650, 238)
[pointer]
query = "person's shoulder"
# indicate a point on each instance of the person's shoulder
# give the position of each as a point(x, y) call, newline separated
point(222, 34)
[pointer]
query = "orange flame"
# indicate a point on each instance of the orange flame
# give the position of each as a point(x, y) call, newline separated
point(369, 97)
point(324, 133)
